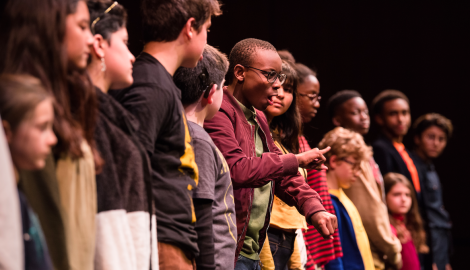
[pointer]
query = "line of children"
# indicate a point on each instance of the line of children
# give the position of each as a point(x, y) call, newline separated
point(104, 145)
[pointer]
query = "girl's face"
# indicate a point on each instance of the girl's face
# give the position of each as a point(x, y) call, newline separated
point(282, 101)
point(346, 170)
point(31, 141)
point(118, 60)
point(78, 37)
point(399, 199)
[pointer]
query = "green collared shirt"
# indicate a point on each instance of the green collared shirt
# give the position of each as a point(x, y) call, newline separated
point(262, 194)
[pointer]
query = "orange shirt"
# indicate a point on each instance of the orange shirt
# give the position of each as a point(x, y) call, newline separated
point(409, 164)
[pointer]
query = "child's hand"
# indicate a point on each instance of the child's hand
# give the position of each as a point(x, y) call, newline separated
point(325, 223)
point(313, 159)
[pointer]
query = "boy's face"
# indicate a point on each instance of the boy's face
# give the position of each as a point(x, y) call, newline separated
point(256, 88)
point(431, 142)
point(395, 117)
point(347, 170)
point(217, 98)
point(354, 115)
point(309, 103)
point(196, 45)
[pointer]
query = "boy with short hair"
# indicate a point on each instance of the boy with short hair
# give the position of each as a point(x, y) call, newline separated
point(431, 133)
point(347, 109)
point(391, 109)
point(257, 167)
point(201, 95)
point(171, 41)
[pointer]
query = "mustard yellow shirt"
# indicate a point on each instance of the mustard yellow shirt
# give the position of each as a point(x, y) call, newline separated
point(359, 231)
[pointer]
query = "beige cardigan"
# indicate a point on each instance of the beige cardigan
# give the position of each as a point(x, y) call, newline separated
point(366, 194)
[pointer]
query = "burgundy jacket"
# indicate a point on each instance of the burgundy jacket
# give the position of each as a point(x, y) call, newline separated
point(235, 138)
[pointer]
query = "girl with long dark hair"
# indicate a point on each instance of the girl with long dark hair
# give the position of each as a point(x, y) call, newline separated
point(405, 220)
point(123, 189)
point(285, 124)
point(50, 40)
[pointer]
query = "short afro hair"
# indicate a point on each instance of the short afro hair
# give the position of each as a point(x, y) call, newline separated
point(303, 72)
point(242, 54)
point(187, 79)
point(433, 119)
point(286, 55)
point(338, 99)
point(384, 96)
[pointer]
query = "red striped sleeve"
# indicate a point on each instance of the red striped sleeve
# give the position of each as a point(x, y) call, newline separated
point(320, 251)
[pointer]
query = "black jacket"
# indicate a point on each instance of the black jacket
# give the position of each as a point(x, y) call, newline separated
point(123, 188)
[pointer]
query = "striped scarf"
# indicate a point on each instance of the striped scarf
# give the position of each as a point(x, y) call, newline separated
point(319, 251)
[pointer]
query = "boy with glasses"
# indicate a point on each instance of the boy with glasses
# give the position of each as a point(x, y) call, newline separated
point(347, 109)
point(171, 41)
point(258, 169)
point(348, 151)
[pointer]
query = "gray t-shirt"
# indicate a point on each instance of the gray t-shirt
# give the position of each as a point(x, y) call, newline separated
point(215, 184)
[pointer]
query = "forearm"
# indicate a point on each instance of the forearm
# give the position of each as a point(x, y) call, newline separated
point(205, 240)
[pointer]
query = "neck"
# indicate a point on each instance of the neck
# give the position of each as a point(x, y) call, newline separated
point(97, 76)
point(394, 138)
point(269, 117)
point(332, 180)
point(422, 155)
point(195, 113)
point(167, 53)
point(236, 90)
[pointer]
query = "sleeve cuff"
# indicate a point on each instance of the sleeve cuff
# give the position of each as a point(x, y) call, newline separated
point(311, 207)
point(291, 166)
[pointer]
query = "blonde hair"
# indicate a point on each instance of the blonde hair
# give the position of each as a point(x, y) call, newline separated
point(344, 143)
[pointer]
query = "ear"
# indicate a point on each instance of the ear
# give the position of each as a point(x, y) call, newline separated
point(379, 120)
point(239, 73)
point(336, 121)
point(189, 30)
point(98, 45)
point(333, 162)
point(417, 140)
point(210, 98)
point(8, 131)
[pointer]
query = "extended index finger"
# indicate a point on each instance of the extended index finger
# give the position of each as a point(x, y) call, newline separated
point(323, 151)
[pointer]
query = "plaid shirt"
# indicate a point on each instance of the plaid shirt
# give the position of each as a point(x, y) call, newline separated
point(319, 251)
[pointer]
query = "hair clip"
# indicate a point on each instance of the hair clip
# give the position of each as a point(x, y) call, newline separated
point(106, 11)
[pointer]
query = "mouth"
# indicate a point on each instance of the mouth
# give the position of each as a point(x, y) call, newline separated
point(270, 100)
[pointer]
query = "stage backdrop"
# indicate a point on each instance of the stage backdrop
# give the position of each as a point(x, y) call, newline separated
point(420, 49)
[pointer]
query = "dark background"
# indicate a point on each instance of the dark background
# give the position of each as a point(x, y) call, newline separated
point(420, 49)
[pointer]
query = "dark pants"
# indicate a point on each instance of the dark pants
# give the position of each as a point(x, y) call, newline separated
point(243, 263)
point(282, 246)
point(440, 247)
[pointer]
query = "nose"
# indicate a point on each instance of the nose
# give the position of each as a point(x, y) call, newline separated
point(280, 92)
point(364, 116)
point(52, 139)
point(89, 37)
point(132, 58)
point(316, 105)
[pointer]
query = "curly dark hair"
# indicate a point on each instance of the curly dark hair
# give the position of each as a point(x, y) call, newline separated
point(413, 221)
point(433, 119)
point(289, 124)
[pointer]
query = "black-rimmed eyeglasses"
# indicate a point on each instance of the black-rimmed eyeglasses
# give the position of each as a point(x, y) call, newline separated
point(356, 166)
point(312, 97)
point(271, 76)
